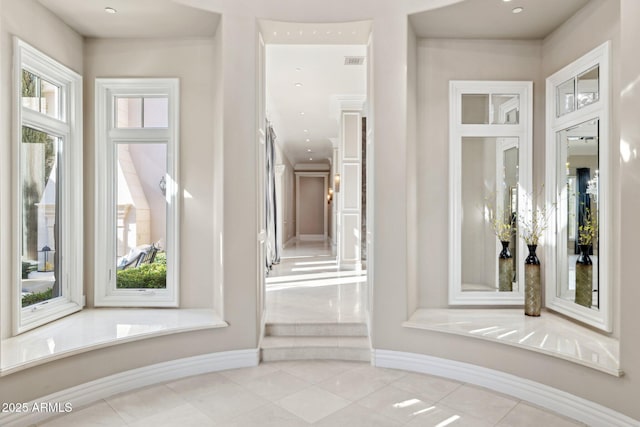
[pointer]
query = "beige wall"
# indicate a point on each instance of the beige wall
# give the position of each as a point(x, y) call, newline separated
point(440, 61)
point(193, 63)
point(596, 23)
point(630, 205)
point(38, 27)
point(233, 103)
point(311, 205)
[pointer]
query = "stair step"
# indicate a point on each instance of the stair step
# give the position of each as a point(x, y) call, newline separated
point(315, 347)
point(317, 329)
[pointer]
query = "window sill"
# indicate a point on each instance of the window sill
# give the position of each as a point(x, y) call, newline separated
point(548, 334)
point(92, 329)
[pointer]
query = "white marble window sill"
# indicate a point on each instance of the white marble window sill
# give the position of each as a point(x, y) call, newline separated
point(91, 329)
point(548, 334)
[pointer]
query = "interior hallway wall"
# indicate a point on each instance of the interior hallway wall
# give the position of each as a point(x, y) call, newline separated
point(439, 61)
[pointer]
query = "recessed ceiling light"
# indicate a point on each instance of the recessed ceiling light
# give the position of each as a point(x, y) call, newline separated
point(308, 150)
point(517, 9)
point(288, 33)
point(110, 10)
point(315, 32)
point(302, 113)
point(308, 140)
point(339, 33)
point(306, 131)
point(298, 69)
point(328, 32)
point(310, 158)
point(506, 1)
point(275, 33)
point(298, 84)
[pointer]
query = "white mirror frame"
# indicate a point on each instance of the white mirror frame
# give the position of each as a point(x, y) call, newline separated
point(524, 132)
point(602, 317)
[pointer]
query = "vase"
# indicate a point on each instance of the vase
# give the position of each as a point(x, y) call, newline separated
point(505, 268)
point(532, 289)
point(584, 277)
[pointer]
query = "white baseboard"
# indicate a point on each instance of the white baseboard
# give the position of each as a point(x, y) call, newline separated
point(591, 413)
point(93, 391)
point(289, 242)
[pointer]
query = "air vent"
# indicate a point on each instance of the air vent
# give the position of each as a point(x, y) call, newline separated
point(353, 60)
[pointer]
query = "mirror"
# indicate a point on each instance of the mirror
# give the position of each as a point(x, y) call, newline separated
point(577, 275)
point(490, 170)
point(489, 198)
point(577, 222)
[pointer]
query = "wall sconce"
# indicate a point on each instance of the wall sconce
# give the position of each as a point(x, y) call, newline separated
point(163, 185)
point(329, 196)
point(336, 183)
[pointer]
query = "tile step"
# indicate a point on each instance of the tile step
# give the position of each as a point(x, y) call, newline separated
point(305, 347)
point(316, 329)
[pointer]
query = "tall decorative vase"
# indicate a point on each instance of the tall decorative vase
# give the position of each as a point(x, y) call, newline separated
point(584, 277)
point(532, 289)
point(505, 266)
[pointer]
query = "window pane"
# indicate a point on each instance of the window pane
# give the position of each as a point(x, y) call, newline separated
point(141, 216)
point(128, 112)
point(566, 97)
point(156, 112)
point(588, 90)
point(506, 109)
point(40, 210)
point(40, 95)
point(475, 109)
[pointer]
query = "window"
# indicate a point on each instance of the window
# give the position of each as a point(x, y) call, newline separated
point(578, 276)
point(490, 170)
point(137, 198)
point(48, 134)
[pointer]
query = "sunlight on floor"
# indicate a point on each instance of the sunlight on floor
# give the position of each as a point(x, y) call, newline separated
point(308, 286)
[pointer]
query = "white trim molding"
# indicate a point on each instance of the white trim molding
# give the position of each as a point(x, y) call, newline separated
point(583, 410)
point(93, 391)
point(107, 138)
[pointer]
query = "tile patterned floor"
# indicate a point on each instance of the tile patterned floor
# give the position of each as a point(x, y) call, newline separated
point(310, 393)
point(307, 286)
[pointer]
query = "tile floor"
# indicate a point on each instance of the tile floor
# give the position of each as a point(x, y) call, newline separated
point(305, 393)
point(307, 286)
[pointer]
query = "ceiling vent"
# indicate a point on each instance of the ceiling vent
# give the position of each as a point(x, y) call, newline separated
point(353, 60)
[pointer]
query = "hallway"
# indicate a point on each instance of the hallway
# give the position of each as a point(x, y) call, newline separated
point(308, 286)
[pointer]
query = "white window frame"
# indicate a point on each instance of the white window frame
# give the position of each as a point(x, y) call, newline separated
point(523, 130)
point(69, 129)
point(600, 109)
point(107, 137)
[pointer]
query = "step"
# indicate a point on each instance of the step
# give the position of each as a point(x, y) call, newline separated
point(328, 329)
point(314, 347)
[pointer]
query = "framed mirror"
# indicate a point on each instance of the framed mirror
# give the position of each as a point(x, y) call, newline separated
point(577, 174)
point(490, 168)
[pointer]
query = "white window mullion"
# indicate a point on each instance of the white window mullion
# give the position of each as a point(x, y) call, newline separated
point(110, 138)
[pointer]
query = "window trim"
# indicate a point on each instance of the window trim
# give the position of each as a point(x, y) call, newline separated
point(106, 138)
point(69, 129)
point(601, 109)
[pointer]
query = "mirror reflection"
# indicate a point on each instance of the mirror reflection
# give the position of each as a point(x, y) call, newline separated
point(489, 185)
point(578, 176)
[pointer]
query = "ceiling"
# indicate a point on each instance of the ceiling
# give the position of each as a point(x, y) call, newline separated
point(493, 19)
point(310, 79)
point(134, 18)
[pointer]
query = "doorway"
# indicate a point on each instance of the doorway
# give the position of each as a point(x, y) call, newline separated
point(314, 104)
